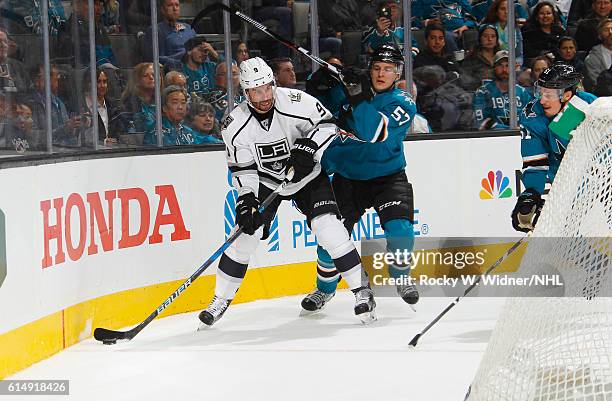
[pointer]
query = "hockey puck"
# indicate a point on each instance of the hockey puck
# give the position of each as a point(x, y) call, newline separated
point(109, 342)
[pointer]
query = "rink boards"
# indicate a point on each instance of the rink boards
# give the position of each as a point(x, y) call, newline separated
point(103, 242)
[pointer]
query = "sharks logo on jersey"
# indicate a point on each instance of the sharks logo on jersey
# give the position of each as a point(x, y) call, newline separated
point(273, 156)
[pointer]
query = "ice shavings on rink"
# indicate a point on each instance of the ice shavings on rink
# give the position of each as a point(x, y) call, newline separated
point(264, 351)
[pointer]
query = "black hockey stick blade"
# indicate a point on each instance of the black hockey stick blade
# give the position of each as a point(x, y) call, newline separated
point(110, 337)
point(415, 340)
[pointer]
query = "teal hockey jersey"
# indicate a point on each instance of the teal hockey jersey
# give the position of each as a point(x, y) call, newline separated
point(541, 149)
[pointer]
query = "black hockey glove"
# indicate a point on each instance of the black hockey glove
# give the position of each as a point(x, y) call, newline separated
point(247, 214)
point(527, 210)
point(358, 87)
point(301, 160)
point(320, 82)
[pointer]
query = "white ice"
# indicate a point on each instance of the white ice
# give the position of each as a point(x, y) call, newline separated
point(264, 351)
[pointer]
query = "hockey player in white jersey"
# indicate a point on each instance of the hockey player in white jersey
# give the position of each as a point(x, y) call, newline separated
point(277, 130)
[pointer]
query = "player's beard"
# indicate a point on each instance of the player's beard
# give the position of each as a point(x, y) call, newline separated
point(263, 106)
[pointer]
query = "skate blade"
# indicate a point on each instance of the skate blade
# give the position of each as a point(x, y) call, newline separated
point(412, 307)
point(306, 313)
point(367, 318)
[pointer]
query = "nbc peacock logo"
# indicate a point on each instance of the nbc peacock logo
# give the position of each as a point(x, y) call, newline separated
point(495, 185)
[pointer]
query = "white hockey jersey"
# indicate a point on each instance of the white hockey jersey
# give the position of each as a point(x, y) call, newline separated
point(257, 151)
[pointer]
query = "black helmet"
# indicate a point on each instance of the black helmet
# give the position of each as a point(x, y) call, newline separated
point(559, 76)
point(388, 53)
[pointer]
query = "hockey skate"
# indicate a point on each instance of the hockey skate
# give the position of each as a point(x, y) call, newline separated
point(409, 294)
point(215, 310)
point(365, 304)
point(315, 301)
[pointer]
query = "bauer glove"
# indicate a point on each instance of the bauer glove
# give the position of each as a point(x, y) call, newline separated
point(527, 210)
point(247, 214)
point(357, 86)
point(301, 160)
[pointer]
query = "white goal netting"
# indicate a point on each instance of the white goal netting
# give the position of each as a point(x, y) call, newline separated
point(559, 347)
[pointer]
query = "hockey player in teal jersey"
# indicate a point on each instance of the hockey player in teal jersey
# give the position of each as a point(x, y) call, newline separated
point(368, 164)
point(543, 145)
point(491, 101)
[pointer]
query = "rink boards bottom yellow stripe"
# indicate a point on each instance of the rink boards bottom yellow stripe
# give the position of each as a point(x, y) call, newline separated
point(44, 337)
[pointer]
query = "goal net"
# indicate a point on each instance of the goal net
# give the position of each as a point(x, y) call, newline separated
point(558, 346)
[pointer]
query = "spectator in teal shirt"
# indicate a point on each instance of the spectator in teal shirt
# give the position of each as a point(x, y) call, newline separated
point(174, 132)
point(199, 70)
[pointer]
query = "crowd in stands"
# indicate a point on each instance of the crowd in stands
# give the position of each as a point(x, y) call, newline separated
point(459, 50)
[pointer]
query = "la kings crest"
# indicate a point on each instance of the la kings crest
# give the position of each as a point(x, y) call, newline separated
point(273, 156)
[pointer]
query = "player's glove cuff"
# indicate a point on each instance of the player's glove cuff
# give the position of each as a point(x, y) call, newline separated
point(247, 213)
point(527, 210)
point(301, 160)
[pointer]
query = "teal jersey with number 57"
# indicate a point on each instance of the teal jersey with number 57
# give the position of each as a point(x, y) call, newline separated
point(374, 147)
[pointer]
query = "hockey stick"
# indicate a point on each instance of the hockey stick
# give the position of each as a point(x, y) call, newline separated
point(416, 338)
point(331, 68)
point(111, 336)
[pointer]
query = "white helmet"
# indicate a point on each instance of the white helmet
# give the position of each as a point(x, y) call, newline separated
point(255, 72)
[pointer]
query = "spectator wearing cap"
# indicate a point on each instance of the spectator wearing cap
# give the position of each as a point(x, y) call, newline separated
point(174, 131)
point(201, 118)
point(600, 56)
point(13, 77)
point(542, 31)
point(172, 36)
point(197, 66)
point(433, 54)
point(567, 53)
point(479, 64)
point(491, 100)
point(498, 17)
point(586, 34)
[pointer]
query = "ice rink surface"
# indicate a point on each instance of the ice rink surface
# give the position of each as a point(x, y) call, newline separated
point(264, 351)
